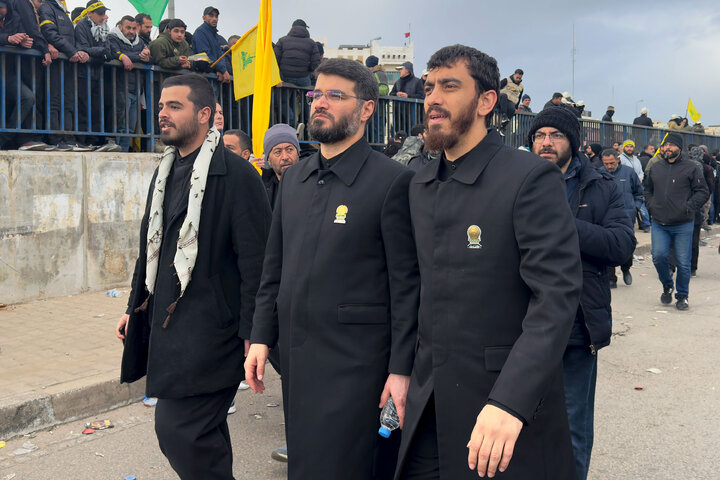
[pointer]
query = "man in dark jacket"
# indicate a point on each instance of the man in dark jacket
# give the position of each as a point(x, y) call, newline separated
point(59, 32)
point(282, 150)
point(125, 42)
point(631, 190)
point(339, 289)
point(500, 273)
point(647, 153)
point(606, 239)
point(145, 25)
point(189, 315)
point(408, 85)
point(297, 55)
point(556, 100)
point(674, 190)
point(643, 119)
point(206, 39)
point(609, 114)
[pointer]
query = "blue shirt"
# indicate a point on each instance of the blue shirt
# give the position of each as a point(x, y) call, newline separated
point(572, 177)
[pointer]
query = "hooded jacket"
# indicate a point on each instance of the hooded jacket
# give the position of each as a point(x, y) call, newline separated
point(57, 28)
point(297, 54)
point(608, 116)
point(167, 53)
point(120, 46)
point(206, 39)
point(411, 85)
point(674, 191)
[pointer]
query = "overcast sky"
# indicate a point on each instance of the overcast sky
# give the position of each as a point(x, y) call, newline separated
point(660, 52)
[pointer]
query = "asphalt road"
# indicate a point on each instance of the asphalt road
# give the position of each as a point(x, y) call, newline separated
point(667, 430)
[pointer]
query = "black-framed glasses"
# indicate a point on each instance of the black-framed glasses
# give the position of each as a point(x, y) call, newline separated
point(332, 96)
point(554, 137)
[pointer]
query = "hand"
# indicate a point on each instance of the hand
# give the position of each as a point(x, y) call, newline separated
point(185, 64)
point(75, 58)
point(227, 77)
point(145, 55)
point(183, 58)
point(255, 366)
point(47, 60)
point(402, 95)
point(492, 440)
point(53, 51)
point(17, 39)
point(84, 57)
point(397, 386)
point(259, 162)
point(124, 322)
point(127, 63)
point(27, 43)
point(247, 347)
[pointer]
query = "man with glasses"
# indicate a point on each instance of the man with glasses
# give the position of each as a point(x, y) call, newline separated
point(339, 289)
point(606, 240)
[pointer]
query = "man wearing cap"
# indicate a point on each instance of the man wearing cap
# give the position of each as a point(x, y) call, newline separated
point(643, 119)
point(408, 85)
point(297, 55)
point(373, 63)
point(606, 240)
point(675, 189)
point(628, 159)
point(282, 150)
point(525, 104)
point(511, 89)
point(206, 39)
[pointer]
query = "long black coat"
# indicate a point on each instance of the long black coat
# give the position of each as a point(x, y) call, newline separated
point(346, 290)
point(201, 350)
point(495, 315)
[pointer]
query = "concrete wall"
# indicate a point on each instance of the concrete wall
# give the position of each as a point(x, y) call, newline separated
point(69, 222)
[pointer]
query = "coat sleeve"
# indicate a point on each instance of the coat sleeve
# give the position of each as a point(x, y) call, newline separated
point(51, 33)
point(648, 187)
point(637, 191)
point(162, 56)
point(83, 41)
point(118, 50)
point(418, 89)
point(250, 227)
point(27, 23)
point(314, 58)
point(550, 267)
point(403, 274)
point(278, 49)
point(611, 240)
point(699, 189)
point(265, 322)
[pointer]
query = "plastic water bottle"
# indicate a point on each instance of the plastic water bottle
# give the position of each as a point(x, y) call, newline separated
point(389, 420)
point(113, 293)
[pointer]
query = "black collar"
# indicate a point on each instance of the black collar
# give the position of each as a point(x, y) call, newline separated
point(346, 168)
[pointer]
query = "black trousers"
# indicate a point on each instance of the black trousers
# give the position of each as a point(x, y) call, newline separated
point(625, 267)
point(67, 105)
point(423, 462)
point(193, 434)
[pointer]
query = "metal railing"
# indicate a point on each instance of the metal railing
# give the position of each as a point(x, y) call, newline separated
point(94, 102)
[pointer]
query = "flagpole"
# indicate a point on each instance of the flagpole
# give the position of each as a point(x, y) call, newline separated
point(171, 9)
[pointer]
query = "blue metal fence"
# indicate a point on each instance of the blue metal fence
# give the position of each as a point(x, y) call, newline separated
point(101, 91)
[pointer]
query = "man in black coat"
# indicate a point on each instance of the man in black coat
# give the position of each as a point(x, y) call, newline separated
point(408, 85)
point(501, 279)
point(282, 150)
point(189, 315)
point(339, 289)
point(643, 119)
point(297, 55)
point(606, 240)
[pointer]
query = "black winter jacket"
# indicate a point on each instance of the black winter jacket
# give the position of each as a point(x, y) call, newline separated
point(606, 239)
point(119, 48)
point(57, 28)
point(643, 120)
point(296, 53)
point(99, 51)
point(411, 85)
point(23, 18)
point(675, 191)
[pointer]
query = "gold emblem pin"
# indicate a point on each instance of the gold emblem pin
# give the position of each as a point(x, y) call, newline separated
point(341, 214)
point(473, 234)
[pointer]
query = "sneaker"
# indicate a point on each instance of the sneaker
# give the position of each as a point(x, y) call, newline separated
point(79, 147)
point(627, 278)
point(35, 147)
point(706, 228)
point(243, 385)
point(109, 147)
point(666, 297)
point(232, 408)
point(149, 401)
point(280, 454)
point(682, 302)
point(63, 147)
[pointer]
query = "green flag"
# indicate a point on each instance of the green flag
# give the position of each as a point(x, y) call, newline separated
point(154, 8)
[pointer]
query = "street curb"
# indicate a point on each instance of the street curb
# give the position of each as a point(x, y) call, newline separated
point(33, 412)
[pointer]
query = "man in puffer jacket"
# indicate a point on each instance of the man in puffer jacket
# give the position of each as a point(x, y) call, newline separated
point(297, 55)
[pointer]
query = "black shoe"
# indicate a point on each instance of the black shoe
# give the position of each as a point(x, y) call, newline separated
point(613, 284)
point(682, 302)
point(693, 273)
point(280, 454)
point(63, 147)
point(627, 278)
point(666, 297)
point(645, 229)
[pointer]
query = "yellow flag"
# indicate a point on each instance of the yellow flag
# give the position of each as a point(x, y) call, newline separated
point(264, 78)
point(692, 111)
point(243, 63)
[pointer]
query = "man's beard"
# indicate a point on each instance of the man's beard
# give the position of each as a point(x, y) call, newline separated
point(437, 141)
point(184, 134)
point(338, 130)
point(561, 157)
point(669, 155)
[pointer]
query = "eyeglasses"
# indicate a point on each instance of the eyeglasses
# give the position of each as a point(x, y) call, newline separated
point(554, 137)
point(332, 96)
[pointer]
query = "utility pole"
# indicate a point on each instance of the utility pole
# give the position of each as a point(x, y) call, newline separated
point(573, 60)
point(171, 9)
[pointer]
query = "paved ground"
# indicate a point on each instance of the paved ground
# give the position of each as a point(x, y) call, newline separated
point(63, 351)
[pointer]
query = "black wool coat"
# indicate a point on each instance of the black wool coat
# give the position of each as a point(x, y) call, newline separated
point(496, 306)
point(346, 286)
point(201, 350)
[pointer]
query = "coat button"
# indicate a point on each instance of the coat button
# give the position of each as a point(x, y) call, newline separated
point(321, 182)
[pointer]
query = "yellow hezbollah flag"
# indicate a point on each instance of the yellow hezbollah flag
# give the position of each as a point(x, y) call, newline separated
point(692, 111)
point(264, 78)
point(243, 63)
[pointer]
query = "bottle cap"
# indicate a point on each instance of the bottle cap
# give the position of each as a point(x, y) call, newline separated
point(384, 432)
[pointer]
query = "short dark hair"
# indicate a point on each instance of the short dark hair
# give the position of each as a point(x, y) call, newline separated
point(176, 23)
point(163, 24)
point(231, 37)
point(609, 152)
point(646, 147)
point(557, 95)
point(481, 66)
point(366, 87)
point(417, 130)
point(245, 140)
point(519, 72)
point(201, 92)
point(127, 18)
point(140, 18)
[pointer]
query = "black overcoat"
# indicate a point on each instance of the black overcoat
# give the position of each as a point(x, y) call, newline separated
point(496, 305)
point(346, 285)
point(201, 349)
